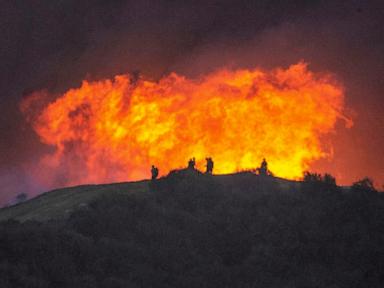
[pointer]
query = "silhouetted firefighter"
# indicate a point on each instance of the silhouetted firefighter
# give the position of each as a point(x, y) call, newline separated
point(209, 165)
point(191, 163)
point(135, 77)
point(154, 172)
point(263, 170)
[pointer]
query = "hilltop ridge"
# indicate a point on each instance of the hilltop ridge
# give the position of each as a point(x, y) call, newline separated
point(59, 203)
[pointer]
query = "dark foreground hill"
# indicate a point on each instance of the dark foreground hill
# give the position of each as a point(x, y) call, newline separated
point(195, 230)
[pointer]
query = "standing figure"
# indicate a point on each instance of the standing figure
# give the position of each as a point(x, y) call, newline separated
point(263, 170)
point(154, 172)
point(209, 165)
point(191, 163)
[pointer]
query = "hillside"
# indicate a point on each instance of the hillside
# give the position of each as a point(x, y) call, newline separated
point(194, 230)
point(60, 203)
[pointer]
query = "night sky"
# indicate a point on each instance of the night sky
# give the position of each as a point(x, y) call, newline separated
point(54, 45)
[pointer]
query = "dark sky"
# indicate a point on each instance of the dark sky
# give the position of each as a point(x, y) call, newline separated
point(54, 45)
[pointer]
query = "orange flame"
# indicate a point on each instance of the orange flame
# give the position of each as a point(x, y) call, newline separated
point(113, 130)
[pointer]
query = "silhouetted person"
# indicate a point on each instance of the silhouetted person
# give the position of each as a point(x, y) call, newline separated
point(135, 77)
point(191, 163)
point(263, 170)
point(154, 172)
point(209, 165)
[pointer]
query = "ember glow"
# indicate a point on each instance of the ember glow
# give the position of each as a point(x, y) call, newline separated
point(113, 130)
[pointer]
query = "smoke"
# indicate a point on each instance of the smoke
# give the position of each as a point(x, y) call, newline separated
point(55, 45)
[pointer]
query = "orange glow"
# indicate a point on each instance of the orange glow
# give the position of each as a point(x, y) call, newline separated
point(113, 130)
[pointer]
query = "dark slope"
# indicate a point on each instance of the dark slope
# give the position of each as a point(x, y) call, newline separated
point(195, 230)
point(60, 203)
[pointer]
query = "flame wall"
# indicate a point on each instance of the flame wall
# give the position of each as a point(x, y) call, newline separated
point(113, 130)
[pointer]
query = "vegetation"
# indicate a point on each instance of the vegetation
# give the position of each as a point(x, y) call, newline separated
point(197, 230)
point(60, 203)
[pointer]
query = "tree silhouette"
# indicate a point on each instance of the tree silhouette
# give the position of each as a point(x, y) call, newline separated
point(364, 185)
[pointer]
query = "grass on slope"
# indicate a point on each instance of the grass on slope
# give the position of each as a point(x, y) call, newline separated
point(60, 203)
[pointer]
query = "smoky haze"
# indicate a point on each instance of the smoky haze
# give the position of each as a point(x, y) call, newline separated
point(54, 45)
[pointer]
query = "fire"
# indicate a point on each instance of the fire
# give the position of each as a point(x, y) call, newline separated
point(113, 130)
